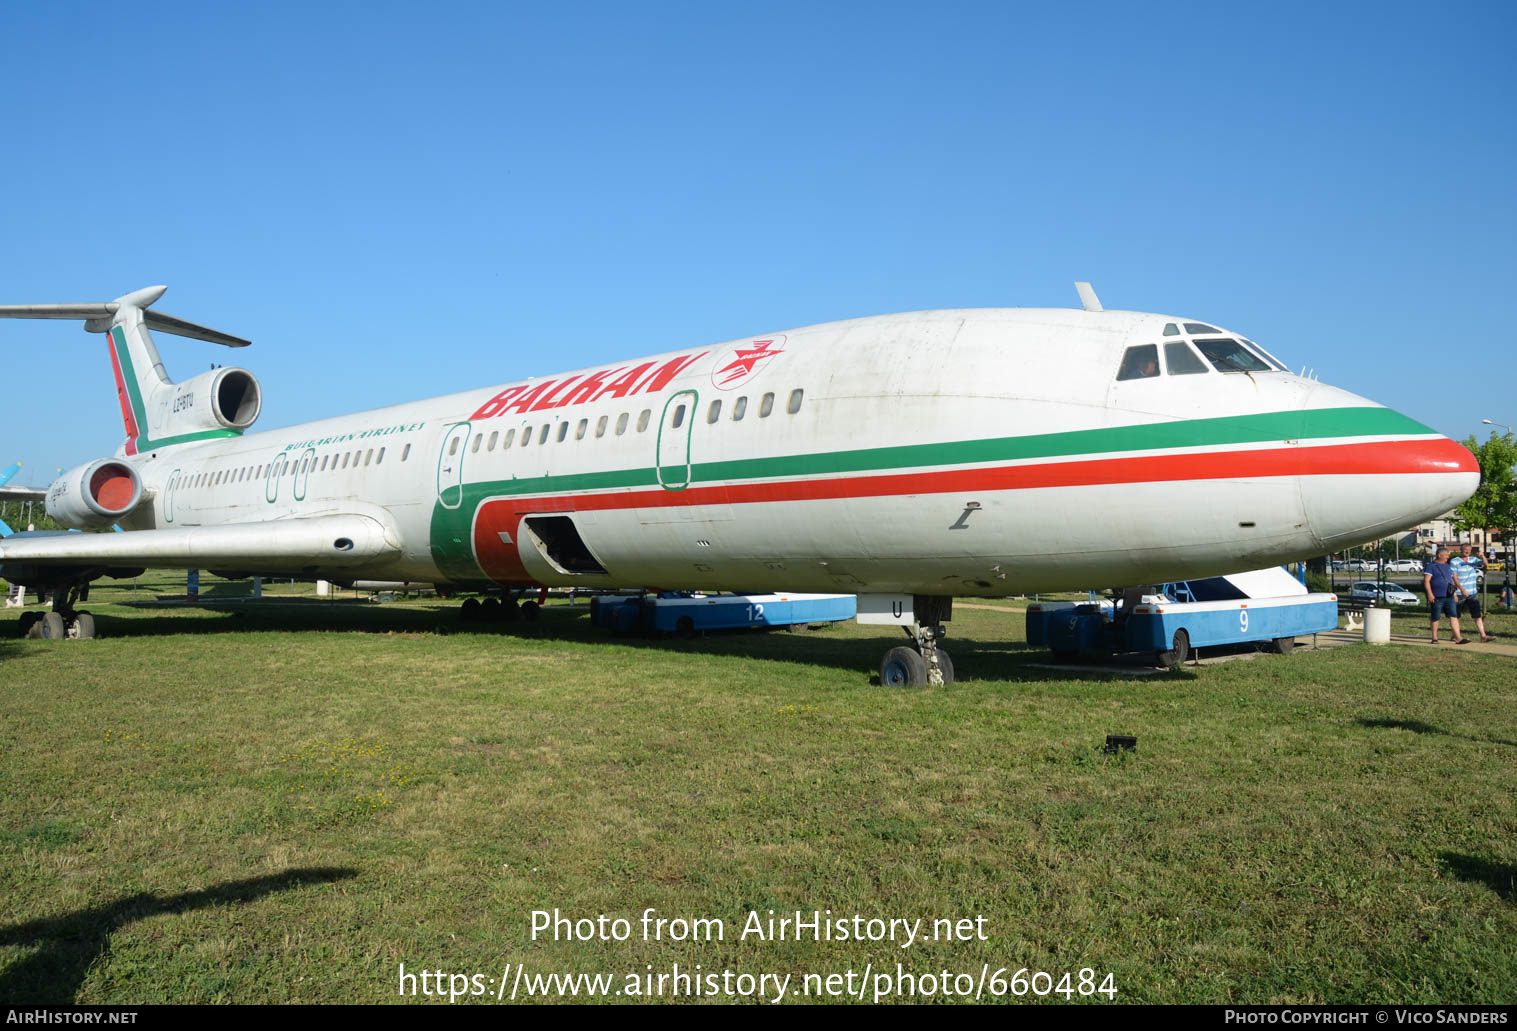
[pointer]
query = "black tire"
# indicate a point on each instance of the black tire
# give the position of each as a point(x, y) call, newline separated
point(1064, 655)
point(489, 610)
point(53, 627)
point(84, 626)
point(529, 611)
point(945, 667)
point(469, 610)
point(510, 611)
point(1284, 645)
point(1176, 656)
point(684, 628)
point(903, 667)
point(29, 621)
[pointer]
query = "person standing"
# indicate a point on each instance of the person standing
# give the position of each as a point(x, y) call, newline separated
point(1467, 567)
point(1441, 585)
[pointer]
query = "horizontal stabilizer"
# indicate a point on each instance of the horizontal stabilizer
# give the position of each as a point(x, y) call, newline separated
point(297, 545)
point(99, 316)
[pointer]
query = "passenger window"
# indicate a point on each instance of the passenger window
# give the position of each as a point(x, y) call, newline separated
point(346, 457)
point(323, 463)
point(621, 424)
point(600, 426)
point(379, 457)
point(478, 440)
point(579, 431)
point(1180, 360)
point(563, 430)
point(766, 406)
point(526, 436)
point(406, 453)
point(493, 438)
point(453, 447)
point(679, 417)
point(715, 411)
point(369, 455)
point(1139, 362)
point(642, 420)
point(542, 437)
point(510, 436)
point(795, 400)
point(738, 408)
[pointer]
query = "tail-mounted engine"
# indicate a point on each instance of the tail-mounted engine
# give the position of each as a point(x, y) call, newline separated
point(219, 399)
point(94, 495)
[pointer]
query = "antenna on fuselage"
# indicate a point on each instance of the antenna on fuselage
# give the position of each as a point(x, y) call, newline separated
point(1088, 297)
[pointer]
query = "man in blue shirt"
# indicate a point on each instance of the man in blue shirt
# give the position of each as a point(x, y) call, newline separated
point(1466, 567)
point(1441, 585)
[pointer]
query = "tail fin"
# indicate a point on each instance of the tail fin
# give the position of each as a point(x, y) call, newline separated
point(156, 411)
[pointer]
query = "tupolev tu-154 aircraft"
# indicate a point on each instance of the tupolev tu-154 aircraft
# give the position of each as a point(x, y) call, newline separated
point(904, 458)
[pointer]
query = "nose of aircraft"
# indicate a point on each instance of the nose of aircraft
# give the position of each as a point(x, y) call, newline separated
point(1367, 471)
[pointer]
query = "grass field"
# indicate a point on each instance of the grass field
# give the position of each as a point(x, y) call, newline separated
point(284, 801)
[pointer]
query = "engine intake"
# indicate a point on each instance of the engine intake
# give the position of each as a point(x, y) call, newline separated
point(218, 399)
point(94, 495)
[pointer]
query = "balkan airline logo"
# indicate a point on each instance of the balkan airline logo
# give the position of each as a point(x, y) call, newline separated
point(742, 363)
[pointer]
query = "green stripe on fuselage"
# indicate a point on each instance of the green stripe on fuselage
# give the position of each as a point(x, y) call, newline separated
point(452, 548)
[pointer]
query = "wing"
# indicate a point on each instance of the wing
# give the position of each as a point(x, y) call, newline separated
point(302, 546)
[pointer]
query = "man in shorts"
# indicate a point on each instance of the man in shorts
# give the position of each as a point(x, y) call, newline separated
point(1466, 567)
point(1441, 585)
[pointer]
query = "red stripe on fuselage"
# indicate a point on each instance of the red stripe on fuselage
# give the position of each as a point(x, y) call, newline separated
point(500, 561)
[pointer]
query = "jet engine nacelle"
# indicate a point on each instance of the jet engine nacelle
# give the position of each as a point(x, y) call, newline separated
point(214, 400)
point(94, 495)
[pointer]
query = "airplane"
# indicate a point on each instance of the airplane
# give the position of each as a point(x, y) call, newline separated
point(905, 458)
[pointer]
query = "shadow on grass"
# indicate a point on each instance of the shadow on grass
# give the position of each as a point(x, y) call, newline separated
point(1418, 727)
point(67, 945)
point(973, 659)
point(1499, 877)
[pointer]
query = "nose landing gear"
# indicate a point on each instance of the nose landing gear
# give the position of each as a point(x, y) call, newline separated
point(925, 663)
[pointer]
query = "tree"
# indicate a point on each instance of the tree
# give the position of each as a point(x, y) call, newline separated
point(1494, 503)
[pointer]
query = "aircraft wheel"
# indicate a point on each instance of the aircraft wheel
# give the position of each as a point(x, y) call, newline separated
point(1284, 645)
point(529, 611)
point(903, 667)
point(84, 627)
point(945, 667)
point(510, 610)
point(53, 627)
point(29, 621)
point(469, 610)
point(489, 610)
point(1176, 656)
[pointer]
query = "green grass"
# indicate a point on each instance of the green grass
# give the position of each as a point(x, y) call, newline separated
point(284, 801)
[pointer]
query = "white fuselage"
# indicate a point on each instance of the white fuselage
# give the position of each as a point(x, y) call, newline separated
point(973, 452)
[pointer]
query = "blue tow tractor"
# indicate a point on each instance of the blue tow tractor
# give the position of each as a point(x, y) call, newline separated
point(1158, 623)
point(686, 613)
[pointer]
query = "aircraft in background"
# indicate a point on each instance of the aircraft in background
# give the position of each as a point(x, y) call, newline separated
point(904, 458)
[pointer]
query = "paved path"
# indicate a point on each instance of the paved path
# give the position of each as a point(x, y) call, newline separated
point(1500, 646)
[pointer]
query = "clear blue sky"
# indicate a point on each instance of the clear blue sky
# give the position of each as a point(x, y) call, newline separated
point(401, 200)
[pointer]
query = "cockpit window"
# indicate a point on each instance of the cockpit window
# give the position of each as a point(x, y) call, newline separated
point(1139, 362)
point(1171, 330)
point(1181, 360)
point(1200, 327)
point(1230, 356)
point(1262, 353)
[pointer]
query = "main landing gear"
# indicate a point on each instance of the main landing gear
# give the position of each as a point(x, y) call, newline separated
point(506, 608)
point(924, 663)
point(65, 622)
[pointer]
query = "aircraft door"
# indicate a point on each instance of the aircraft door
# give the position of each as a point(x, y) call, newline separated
point(674, 429)
point(168, 496)
point(450, 465)
point(303, 473)
point(271, 478)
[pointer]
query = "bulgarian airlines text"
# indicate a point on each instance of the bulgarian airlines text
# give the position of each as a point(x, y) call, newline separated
point(520, 982)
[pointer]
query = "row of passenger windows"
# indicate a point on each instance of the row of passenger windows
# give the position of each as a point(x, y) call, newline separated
point(676, 420)
point(1225, 354)
point(289, 466)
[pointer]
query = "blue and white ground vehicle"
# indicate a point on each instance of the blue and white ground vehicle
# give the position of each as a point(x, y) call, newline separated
point(1226, 611)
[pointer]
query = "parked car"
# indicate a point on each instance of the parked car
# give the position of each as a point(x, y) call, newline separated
point(1404, 565)
point(1368, 592)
